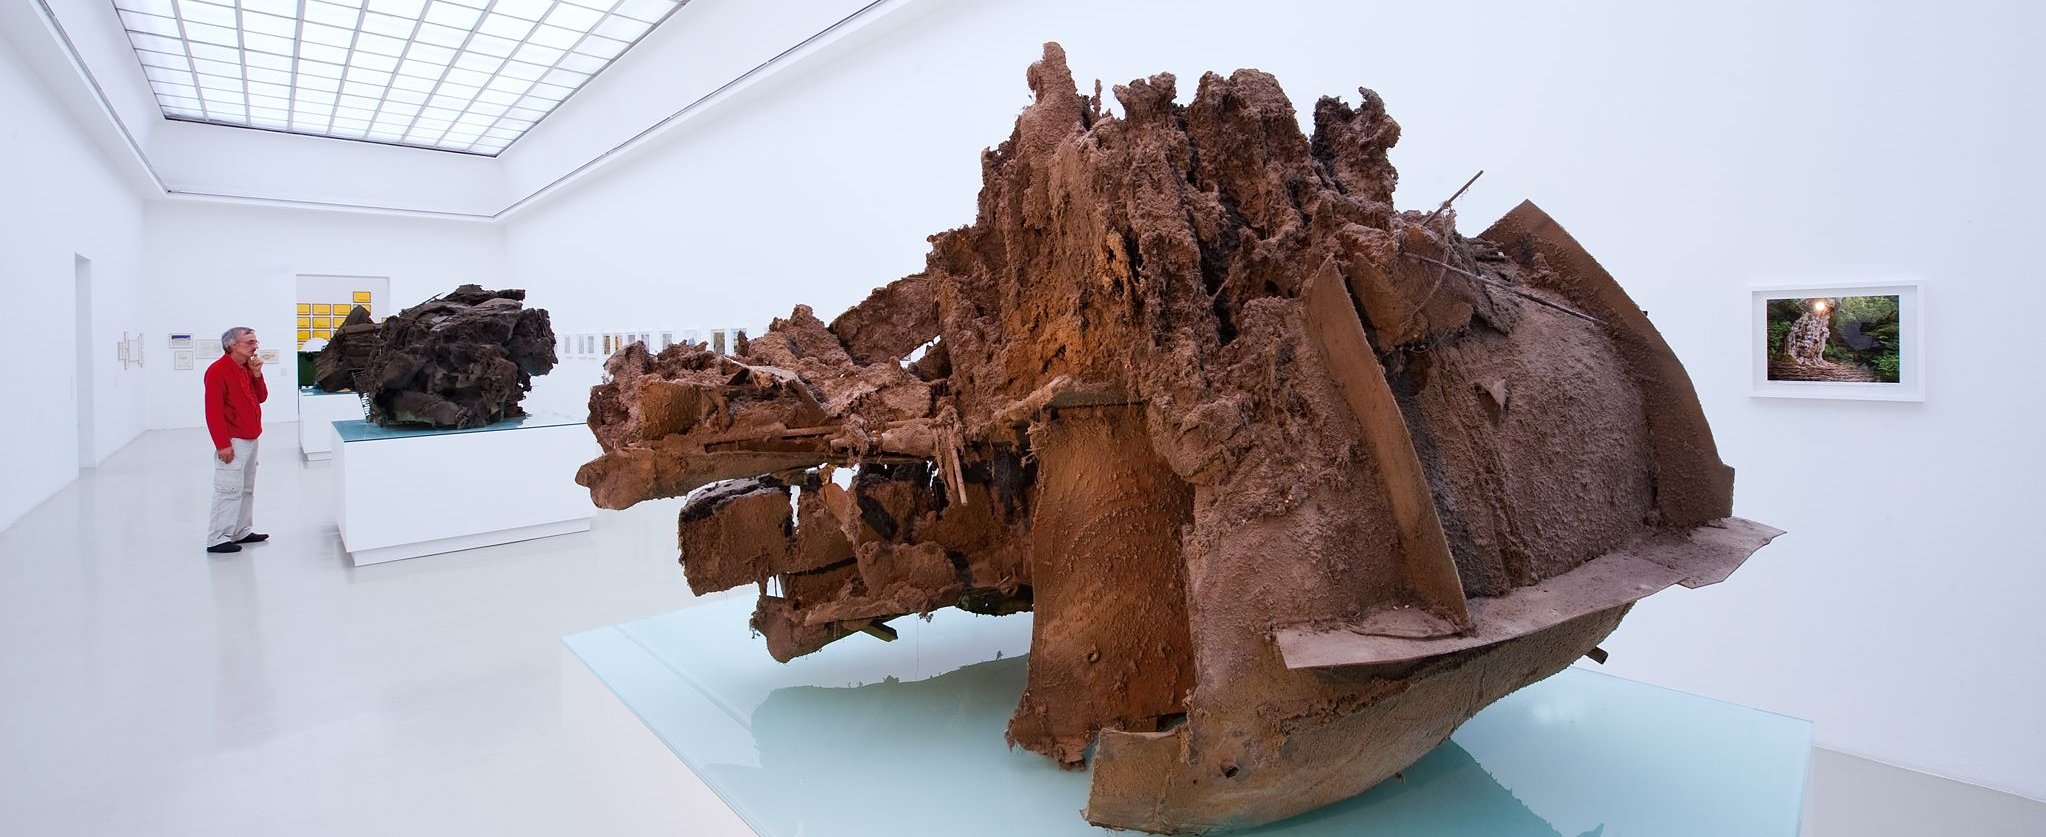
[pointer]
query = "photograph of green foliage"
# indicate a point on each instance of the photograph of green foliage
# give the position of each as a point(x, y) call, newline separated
point(1839, 339)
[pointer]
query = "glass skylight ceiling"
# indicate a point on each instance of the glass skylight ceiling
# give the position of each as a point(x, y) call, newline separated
point(459, 75)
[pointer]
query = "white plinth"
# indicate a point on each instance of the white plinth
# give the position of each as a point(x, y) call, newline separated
point(317, 411)
point(408, 493)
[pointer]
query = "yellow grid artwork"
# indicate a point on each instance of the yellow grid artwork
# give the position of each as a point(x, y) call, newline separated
point(319, 320)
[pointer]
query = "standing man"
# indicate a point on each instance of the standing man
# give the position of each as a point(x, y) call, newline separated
point(235, 393)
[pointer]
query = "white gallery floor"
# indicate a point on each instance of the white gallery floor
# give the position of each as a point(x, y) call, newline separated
point(147, 687)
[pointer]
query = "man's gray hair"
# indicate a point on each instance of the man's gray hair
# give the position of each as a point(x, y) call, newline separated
point(228, 337)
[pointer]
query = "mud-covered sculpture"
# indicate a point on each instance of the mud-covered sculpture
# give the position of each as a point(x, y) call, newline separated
point(1295, 483)
point(465, 359)
point(350, 350)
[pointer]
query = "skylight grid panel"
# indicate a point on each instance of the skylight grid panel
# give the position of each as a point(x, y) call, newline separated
point(340, 37)
point(153, 24)
point(622, 28)
point(267, 61)
point(554, 37)
point(389, 25)
point(417, 75)
point(462, 75)
point(217, 68)
point(485, 64)
point(572, 17)
point(259, 42)
point(309, 50)
point(533, 53)
point(319, 68)
point(280, 8)
point(645, 11)
point(431, 53)
point(452, 16)
point(438, 35)
point(397, 8)
point(193, 11)
point(523, 9)
point(158, 59)
point(214, 52)
point(328, 14)
point(156, 43)
point(174, 75)
point(470, 78)
point(286, 27)
point(372, 61)
point(160, 8)
point(601, 47)
point(379, 44)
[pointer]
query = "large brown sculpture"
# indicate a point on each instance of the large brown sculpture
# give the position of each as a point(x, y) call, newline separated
point(1295, 483)
point(464, 359)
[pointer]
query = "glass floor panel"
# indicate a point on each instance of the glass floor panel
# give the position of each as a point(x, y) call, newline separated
point(888, 738)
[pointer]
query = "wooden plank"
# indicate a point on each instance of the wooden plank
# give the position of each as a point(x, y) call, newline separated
point(1338, 334)
point(1702, 555)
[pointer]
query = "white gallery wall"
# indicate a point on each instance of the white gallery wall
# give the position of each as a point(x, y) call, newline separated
point(215, 266)
point(1696, 150)
point(63, 201)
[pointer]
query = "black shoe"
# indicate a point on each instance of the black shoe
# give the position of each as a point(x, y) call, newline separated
point(253, 537)
point(225, 547)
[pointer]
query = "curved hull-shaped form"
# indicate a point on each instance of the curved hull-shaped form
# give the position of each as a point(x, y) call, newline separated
point(1294, 483)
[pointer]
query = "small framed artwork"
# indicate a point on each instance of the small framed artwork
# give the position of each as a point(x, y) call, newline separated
point(1863, 341)
point(182, 358)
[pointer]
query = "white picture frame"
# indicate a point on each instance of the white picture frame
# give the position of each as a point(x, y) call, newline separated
point(1824, 379)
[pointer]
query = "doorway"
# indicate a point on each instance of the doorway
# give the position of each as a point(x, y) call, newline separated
point(81, 354)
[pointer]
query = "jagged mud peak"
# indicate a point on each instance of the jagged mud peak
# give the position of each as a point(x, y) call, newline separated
point(1293, 482)
point(350, 350)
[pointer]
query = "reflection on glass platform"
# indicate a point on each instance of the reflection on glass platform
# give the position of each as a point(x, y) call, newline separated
point(873, 738)
point(366, 431)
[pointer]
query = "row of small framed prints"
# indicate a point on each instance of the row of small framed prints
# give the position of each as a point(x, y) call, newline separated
point(601, 345)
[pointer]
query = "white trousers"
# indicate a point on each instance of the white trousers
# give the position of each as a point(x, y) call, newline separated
point(234, 494)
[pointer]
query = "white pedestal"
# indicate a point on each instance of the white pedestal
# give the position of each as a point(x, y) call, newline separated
point(317, 410)
point(407, 493)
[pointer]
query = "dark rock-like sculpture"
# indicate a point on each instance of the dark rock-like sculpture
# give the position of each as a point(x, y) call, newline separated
point(1294, 482)
point(460, 360)
point(351, 350)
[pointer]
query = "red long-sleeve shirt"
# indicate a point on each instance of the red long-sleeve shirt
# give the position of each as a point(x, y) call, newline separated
point(234, 402)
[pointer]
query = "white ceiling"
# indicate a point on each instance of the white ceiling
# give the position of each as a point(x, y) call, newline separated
point(708, 53)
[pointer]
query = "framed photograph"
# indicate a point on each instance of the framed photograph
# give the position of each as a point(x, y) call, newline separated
point(1838, 341)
